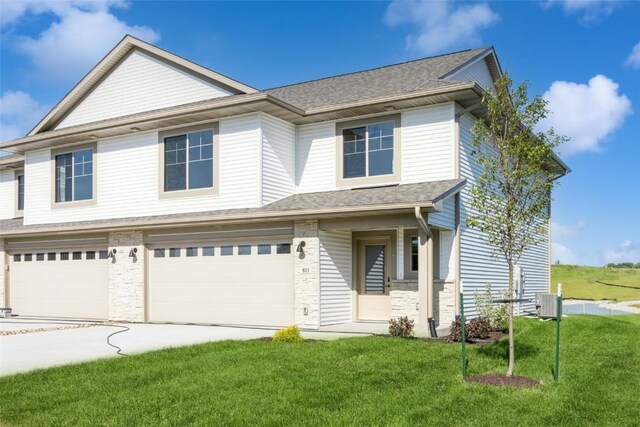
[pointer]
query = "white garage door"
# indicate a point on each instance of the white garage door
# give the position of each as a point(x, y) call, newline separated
point(69, 283)
point(247, 283)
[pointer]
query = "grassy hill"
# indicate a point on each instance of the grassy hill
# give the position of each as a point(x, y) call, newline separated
point(581, 282)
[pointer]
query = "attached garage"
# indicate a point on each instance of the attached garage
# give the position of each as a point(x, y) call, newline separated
point(248, 282)
point(53, 282)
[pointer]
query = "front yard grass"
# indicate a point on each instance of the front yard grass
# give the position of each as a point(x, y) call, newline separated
point(355, 381)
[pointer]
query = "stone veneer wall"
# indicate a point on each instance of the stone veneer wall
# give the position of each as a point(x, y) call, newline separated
point(306, 275)
point(127, 277)
point(404, 299)
point(3, 274)
point(445, 303)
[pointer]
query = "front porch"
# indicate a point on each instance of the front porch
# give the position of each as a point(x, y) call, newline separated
point(373, 269)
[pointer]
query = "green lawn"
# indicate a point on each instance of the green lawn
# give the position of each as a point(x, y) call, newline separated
point(580, 282)
point(357, 381)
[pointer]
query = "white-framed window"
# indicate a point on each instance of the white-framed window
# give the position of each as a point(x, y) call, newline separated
point(74, 175)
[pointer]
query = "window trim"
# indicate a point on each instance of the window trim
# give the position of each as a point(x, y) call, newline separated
point(393, 178)
point(19, 213)
point(94, 190)
point(162, 194)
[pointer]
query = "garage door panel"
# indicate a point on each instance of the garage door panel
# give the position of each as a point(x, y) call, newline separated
point(236, 289)
point(59, 288)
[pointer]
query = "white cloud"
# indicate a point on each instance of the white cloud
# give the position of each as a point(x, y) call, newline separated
point(588, 11)
point(19, 113)
point(634, 57)
point(84, 31)
point(567, 231)
point(626, 252)
point(12, 10)
point(440, 25)
point(587, 113)
point(563, 254)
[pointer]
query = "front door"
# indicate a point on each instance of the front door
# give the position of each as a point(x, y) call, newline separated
point(373, 281)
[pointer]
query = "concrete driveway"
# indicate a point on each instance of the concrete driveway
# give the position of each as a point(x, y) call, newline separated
point(43, 343)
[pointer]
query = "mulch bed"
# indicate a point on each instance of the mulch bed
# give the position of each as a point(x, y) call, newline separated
point(493, 337)
point(503, 380)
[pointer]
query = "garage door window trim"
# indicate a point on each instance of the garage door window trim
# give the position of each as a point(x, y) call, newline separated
point(188, 161)
point(73, 179)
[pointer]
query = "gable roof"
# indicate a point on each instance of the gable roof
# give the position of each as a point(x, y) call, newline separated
point(405, 78)
point(120, 52)
point(410, 84)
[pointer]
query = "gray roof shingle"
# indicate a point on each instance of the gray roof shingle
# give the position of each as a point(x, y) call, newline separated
point(405, 78)
point(327, 201)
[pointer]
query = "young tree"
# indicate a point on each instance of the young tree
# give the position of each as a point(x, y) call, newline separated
point(511, 197)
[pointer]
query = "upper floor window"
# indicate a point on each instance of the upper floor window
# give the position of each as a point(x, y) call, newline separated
point(74, 175)
point(188, 160)
point(20, 179)
point(368, 151)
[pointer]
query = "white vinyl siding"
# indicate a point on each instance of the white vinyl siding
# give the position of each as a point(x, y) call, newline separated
point(278, 158)
point(478, 264)
point(477, 72)
point(140, 83)
point(427, 144)
point(127, 178)
point(316, 158)
point(447, 217)
point(447, 257)
point(335, 277)
point(8, 195)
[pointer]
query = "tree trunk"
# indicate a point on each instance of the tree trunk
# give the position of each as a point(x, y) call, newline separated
point(511, 343)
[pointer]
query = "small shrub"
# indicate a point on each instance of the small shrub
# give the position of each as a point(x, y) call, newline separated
point(288, 334)
point(401, 327)
point(478, 328)
point(497, 313)
point(455, 333)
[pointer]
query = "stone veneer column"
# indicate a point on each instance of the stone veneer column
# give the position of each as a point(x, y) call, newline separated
point(3, 274)
point(126, 277)
point(306, 275)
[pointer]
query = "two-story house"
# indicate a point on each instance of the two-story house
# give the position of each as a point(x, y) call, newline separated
point(159, 190)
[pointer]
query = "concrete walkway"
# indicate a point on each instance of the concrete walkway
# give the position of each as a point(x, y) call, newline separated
point(59, 342)
point(604, 307)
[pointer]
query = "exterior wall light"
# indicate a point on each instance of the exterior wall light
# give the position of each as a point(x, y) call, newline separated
point(301, 245)
point(133, 252)
point(112, 253)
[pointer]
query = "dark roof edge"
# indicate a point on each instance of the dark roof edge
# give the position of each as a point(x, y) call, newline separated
point(374, 68)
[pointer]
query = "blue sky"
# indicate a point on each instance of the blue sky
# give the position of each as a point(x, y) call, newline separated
point(583, 55)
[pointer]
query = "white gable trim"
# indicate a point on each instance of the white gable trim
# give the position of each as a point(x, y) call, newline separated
point(491, 61)
point(111, 61)
point(141, 82)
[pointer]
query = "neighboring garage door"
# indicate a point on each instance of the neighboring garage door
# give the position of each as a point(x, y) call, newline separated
point(69, 283)
point(242, 283)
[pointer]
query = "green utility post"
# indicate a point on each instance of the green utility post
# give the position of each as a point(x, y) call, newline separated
point(558, 318)
point(463, 337)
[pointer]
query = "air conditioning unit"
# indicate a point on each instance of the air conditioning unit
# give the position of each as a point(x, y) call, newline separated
point(547, 306)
